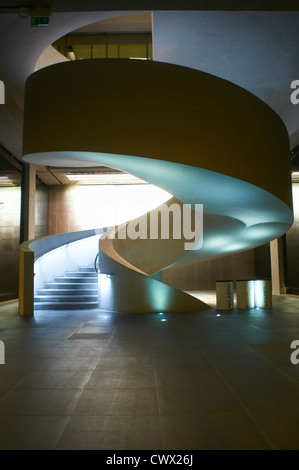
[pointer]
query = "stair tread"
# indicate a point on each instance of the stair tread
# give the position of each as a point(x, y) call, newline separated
point(75, 282)
point(79, 298)
point(65, 303)
point(76, 277)
point(48, 302)
point(69, 283)
point(64, 296)
point(81, 274)
point(64, 306)
point(64, 291)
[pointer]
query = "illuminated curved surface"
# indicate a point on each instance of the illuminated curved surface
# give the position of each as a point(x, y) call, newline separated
point(202, 139)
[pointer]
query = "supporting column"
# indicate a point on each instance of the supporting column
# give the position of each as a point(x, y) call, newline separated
point(26, 282)
point(27, 232)
point(27, 228)
point(277, 266)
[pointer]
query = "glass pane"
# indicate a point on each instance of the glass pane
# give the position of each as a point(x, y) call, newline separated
point(78, 39)
point(94, 46)
point(113, 51)
point(132, 50)
point(82, 51)
point(98, 51)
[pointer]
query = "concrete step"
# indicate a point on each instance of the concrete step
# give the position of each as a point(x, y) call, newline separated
point(70, 285)
point(81, 274)
point(65, 305)
point(66, 298)
point(70, 291)
point(81, 279)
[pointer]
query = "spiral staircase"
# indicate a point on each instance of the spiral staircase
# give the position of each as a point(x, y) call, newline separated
point(201, 138)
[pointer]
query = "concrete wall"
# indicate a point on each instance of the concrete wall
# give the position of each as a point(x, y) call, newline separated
point(10, 199)
point(41, 210)
point(252, 264)
point(292, 245)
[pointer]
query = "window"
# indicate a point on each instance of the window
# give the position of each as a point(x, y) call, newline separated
point(98, 46)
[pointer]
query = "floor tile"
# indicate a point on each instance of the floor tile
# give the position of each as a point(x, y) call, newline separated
point(212, 431)
point(281, 427)
point(114, 401)
point(39, 402)
point(30, 432)
point(111, 432)
point(201, 399)
point(270, 397)
point(57, 379)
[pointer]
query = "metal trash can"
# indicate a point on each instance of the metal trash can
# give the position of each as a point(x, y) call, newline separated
point(263, 293)
point(245, 294)
point(224, 295)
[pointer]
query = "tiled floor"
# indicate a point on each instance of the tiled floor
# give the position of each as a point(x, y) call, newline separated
point(99, 380)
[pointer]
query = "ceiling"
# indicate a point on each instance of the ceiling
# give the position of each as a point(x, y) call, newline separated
point(102, 5)
point(256, 50)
